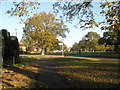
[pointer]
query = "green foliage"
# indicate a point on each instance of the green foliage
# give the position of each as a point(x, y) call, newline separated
point(75, 47)
point(89, 42)
point(42, 30)
point(111, 13)
point(10, 48)
point(93, 42)
point(23, 8)
point(82, 11)
point(111, 38)
point(6, 47)
point(15, 48)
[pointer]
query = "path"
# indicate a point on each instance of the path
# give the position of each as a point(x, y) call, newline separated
point(48, 77)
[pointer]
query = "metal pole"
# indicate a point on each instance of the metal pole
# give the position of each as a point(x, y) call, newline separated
point(62, 50)
point(16, 32)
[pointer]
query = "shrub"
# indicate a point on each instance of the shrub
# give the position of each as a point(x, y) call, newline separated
point(10, 48)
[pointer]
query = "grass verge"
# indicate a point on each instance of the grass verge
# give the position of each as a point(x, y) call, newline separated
point(21, 75)
point(94, 54)
point(87, 73)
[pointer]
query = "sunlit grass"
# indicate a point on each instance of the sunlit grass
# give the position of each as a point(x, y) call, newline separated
point(21, 75)
point(39, 55)
point(93, 59)
point(84, 72)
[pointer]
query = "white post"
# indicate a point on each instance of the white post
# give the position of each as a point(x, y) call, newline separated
point(62, 49)
point(16, 32)
point(13, 60)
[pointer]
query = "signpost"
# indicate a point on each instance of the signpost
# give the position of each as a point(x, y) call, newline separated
point(62, 49)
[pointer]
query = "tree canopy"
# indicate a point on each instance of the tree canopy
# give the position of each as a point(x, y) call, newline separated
point(91, 42)
point(23, 8)
point(43, 30)
point(81, 10)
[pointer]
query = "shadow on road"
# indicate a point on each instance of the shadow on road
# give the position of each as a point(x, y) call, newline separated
point(48, 77)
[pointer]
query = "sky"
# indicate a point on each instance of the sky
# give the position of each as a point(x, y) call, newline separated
point(75, 35)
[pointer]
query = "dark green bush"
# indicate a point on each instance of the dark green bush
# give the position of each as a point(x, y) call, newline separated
point(15, 49)
point(10, 48)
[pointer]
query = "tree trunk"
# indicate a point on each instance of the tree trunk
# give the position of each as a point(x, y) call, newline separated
point(116, 48)
point(43, 52)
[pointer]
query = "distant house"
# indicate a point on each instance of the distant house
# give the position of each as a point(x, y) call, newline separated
point(22, 47)
point(37, 50)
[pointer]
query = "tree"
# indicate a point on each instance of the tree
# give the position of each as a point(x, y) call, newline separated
point(112, 14)
point(75, 47)
point(82, 11)
point(88, 42)
point(91, 40)
point(23, 8)
point(83, 44)
point(71, 10)
point(27, 41)
point(110, 38)
point(15, 49)
point(43, 30)
point(112, 17)
point(10, 48)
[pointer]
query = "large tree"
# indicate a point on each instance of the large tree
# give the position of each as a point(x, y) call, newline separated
point(75, 47)
point(110, 38)
point(82, 11)
point(70, 10)
point(43, 29)
point(88, 42)
point(111, 10)
point(91, 40)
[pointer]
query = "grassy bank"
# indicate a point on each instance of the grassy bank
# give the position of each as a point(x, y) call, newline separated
point(94, 54)
point(21, 75)
point(87, 72)
point(76, 53)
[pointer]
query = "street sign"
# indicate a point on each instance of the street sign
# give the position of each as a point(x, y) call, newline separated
point(60, 43)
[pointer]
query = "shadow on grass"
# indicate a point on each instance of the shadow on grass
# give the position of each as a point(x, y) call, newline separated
point(84, 68)
point(9, 85)
point(88, 84)
point(22, 71)
point(81, 72)
point(48, 77)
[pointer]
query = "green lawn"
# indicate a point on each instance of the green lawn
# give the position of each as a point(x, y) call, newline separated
point(76, 53)
point(79, 72)
point(94, 54)
point(87, 72)
point(35, 55)
point(21, 75)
